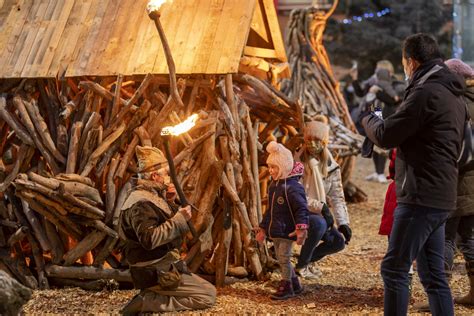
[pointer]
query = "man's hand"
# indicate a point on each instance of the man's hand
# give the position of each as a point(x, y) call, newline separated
point(171, 192)
point(346, 231)
point(186, 212)
point(301, 235)
point(260, 237)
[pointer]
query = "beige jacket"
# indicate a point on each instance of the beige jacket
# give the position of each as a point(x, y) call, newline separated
point(328, 190)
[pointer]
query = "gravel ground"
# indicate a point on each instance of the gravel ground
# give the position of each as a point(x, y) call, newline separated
point(351, 282)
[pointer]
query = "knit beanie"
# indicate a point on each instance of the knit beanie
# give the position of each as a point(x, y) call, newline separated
point(459, 67)
point(149, 158)
point(280, 156)
point(318, 128)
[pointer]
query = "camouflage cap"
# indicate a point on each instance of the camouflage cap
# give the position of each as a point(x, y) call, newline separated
point(149, 158)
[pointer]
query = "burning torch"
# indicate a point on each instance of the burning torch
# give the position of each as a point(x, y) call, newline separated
point(154, 13)
point(166, 134)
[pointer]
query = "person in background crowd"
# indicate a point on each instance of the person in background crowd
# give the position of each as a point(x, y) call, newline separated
point(152, 232)
point(323, 186)
point(427, 130)
point(461, 220)
point(384, 91)
point(286, 218)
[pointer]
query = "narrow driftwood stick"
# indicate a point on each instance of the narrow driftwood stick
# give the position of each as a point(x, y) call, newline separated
point(73, 147)
point(105, 252)
point(91, 123)
point(104, 161)
point(36, 226)
point(102, 148)
point(249, 179)
point(99, 225)
point(253, 148)
point(42, 130)
point(89, 273)
point(39, 261)
point(98, 89)
point(142, 133)
point(237, 238)
point(122, 196)
point(57, 247)
point(192, 97)
point(110, 193)
point(21, 155)
point(62, 139)
point(116, 102)
point(84, 246)
point(229, 92)
point(127, 157)
point(89, 145)
point(18, 235)
point(189, 150)
point(72, 177)
point(20, 106)
point(20, 131)
point(91, 285)
point(225, 238)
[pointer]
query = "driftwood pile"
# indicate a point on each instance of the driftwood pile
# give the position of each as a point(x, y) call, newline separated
point(313, 84)
point(68, 162)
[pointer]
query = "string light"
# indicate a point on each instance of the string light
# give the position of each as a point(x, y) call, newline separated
point(366, 16)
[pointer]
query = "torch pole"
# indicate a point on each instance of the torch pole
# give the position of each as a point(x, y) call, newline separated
point(155, 16)
point(174, 177)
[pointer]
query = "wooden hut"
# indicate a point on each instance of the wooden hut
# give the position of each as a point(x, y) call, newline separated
point(83, 82)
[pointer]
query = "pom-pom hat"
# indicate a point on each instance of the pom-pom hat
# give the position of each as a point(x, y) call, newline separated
point(280, 156)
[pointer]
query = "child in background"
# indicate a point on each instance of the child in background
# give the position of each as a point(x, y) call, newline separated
point(390, 204)
point(286, 218)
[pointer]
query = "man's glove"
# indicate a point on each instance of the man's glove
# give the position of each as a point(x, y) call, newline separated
point(301, 235)
point(326, 213)
point(346, 231)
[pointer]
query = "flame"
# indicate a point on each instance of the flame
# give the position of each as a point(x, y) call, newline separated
point(181, 127)
point(155, 5)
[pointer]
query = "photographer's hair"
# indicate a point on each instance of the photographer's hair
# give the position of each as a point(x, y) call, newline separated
point(385, 64)
point(421, 47)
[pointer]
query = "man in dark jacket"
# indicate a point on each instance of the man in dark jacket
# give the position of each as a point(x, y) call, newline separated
point(152, 231)
point(427, 130)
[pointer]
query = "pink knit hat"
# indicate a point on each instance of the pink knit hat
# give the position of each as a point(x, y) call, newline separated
point(459, 67)
point(280, 156)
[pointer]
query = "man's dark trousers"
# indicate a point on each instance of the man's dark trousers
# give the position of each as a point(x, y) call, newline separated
point(417, 233)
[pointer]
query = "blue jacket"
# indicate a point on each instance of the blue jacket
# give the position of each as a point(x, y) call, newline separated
point(287, 206)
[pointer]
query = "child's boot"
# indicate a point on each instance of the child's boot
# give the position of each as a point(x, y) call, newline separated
point(285, 291)
point(297, 287)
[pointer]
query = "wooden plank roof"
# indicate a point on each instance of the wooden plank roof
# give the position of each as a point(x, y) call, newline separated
point(48, 38)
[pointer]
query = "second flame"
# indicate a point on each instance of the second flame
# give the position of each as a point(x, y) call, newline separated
point(181, 127)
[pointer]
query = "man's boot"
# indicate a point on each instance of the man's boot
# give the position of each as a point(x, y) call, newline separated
point(134, 307)
point(297, 287)
point(469, 298)
point(285, 291)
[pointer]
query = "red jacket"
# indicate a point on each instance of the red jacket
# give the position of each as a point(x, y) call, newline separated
point(390, 199)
